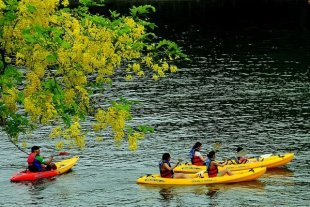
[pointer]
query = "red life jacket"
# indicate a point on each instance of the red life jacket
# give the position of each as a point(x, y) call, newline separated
point(31, 158)
point(242, 160)
point(197, 161)
point(164, 173)
point(212, 171)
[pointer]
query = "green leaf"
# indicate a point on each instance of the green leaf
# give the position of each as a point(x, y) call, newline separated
point(31, 8)
point(145, 129)
point(144, 9)
point(51, 58)
point(29, 38)
point(114, 14)
point(9, 17)
point(1, 65)
point(66, 45)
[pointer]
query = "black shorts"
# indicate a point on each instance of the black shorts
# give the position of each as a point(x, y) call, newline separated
point(33, 169)
point(48, 168)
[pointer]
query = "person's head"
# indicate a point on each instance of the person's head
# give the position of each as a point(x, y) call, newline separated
point(239, 149)
point(197, 145)
point(211, 155)
point(166, 156)
point(35, 149)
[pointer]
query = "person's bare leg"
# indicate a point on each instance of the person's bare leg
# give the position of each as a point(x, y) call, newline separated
point(226, 171)
point(181, 175)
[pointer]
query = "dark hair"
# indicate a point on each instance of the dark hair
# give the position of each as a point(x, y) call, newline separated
point(239, 149)
point(166, 156)
point(34, 148)
point(211, 154)
point(196, 145)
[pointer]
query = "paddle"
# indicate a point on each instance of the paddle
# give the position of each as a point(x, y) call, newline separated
point(216, 146)
point(62, 154)
point(242, 153)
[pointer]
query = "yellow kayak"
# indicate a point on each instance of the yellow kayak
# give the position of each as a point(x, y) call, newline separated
point(66, 165)
point(238, 176)
point(267, 160)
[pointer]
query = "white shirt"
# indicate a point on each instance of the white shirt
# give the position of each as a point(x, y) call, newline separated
point(198, 154)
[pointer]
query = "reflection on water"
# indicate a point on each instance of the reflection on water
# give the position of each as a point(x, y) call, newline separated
point(39, 185)
point(166, 193)
point(211, 191)
point(279, 172)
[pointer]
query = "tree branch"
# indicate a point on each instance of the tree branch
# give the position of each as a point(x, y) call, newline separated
point(18, 147)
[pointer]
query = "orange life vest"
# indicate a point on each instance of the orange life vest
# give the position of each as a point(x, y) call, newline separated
point(212, 170)
point(164, 173)
point(31, 158)
point(197, 161)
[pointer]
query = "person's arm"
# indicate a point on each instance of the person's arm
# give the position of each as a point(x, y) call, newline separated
point(203, 159)
point(41, 160)
point(198, 154)
point(170, 168)
point(49, 160)
point(220, 164)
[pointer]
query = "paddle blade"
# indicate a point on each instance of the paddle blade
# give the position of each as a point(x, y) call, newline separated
point(242, 153)
point(63, 153)
point(217, 146)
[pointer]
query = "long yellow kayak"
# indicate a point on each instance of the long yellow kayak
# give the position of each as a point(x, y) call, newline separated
point(238, 176)
point(268, 161)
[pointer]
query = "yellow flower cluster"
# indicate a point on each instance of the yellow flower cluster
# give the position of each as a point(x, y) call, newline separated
point(20, 59)
point(135, 67)
point(69, 96)
point(49, 113)
point(65, 2)
point(33, 84)
point(59, 145)
point(40, 108)
point(112, 117)
point(99, 138)
point(24, 144)
point(32, 109)
point(74, 132)
point(2, 5)
point(9, 98)
point(56, 132)
point(84, 101)
point(133, 140)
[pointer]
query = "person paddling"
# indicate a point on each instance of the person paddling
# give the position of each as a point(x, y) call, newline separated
point(166, 170)
point(212, 166)
point(195, 155)
point(241, 159)
point(37, 164)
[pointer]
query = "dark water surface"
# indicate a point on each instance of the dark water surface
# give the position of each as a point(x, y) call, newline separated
point(247, 83)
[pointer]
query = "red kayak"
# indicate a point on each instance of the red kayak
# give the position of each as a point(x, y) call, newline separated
point(26, 175)
point(62, 167)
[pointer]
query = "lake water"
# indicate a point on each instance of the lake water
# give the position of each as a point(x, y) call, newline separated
point(247, 84)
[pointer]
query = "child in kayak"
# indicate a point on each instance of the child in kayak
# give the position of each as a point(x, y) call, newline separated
point(166, 170)
point(195, 155)
point(212, 166)
point(241, 159)
point(37, 164)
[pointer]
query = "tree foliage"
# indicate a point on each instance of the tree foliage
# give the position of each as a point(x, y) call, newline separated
point(54, 57)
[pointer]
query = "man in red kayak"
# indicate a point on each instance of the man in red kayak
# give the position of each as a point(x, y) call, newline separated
point(36, 163)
